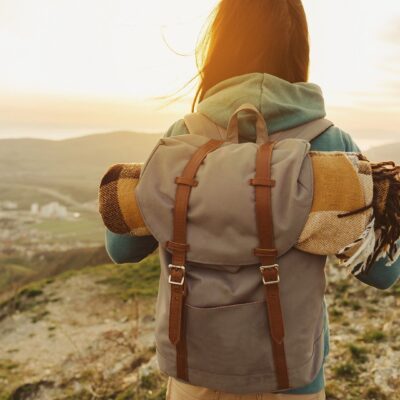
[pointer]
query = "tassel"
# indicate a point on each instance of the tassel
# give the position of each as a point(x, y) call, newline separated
point(390, 261)
point(386, 178)
point(380, 238)
point(358, 261)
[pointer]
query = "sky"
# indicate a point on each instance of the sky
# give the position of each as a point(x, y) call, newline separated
point(74, 67)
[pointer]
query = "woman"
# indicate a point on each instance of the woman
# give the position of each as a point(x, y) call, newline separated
point(256, 51)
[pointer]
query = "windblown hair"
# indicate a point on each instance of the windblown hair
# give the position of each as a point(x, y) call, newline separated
point(245, 36)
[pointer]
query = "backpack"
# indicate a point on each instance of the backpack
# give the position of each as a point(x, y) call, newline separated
point(239, 308)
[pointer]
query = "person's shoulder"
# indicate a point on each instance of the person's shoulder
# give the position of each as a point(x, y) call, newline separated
point(334, 139)
point(177, 128)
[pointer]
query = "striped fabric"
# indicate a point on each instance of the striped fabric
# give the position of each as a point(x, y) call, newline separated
point(342, 183)
point(117, 201)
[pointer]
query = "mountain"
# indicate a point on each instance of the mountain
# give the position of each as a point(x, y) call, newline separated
point(385, 152)
point(72, 167)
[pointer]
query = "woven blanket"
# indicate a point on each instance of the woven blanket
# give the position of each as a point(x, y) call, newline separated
point(355, 212)
point(117, 201)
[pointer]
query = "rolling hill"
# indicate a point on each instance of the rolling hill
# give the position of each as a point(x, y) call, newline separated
point(70, 170)
point(72, 167)
point(385, 152)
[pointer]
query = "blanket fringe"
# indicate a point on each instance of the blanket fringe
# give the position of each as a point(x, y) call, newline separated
point(381, 236)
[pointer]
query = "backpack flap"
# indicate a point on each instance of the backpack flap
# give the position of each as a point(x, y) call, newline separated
point(221, 215)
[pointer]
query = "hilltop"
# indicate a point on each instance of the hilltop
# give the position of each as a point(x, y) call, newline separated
point(90, 334)
point(82, 335)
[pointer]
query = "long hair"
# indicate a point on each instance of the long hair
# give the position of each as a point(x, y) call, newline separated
point(244, 36)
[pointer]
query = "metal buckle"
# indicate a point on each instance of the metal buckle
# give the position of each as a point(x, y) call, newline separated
point(182, 267)
point(262, 267)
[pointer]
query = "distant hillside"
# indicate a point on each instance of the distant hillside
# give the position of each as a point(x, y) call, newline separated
point(73, 167)
point(70, 170)
point(385, 152)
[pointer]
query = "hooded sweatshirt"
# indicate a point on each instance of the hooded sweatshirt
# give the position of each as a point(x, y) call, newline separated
point(284, 105)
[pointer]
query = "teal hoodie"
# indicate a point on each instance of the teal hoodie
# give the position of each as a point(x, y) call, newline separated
point(284, 105)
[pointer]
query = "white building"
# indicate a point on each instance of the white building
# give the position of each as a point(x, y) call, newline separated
point(9, 205)
point(53, 210)
point(34, 208)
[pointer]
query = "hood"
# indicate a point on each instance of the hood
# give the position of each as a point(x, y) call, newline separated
point(284, 105)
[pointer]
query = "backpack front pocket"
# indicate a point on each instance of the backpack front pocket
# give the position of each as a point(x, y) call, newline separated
point(229, 340)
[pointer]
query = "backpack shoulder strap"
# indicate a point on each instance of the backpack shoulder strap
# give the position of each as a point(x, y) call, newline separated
point(199, 124)
point(308, 131)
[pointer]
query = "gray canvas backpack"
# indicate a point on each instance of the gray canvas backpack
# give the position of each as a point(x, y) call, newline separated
point(239, 309)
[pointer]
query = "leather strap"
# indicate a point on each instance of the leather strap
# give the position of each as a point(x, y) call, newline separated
point(179, 247)
point(232, 132)
point(268, 257)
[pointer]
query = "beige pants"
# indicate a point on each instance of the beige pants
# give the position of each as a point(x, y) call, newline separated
point(177, 390)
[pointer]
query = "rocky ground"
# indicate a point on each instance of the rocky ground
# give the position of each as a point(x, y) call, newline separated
point(89, 335)
point(364, 362)
point(83, 335)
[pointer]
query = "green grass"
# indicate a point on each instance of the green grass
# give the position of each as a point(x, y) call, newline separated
point(31, 192)
point(85, 229)
point(9, 372)
point(30, 297)
point(131, 280)
point(23, 197)
point(374, 336)
point(16, 272)
point(395, 290)
point(346, 370)
point(359, 354)
point(375, 393)
point(10, 273)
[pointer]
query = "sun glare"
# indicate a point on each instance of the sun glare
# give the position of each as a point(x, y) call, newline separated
point(134, 51)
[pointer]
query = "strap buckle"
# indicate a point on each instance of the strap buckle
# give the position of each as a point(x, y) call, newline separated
point(181, 267)
point(272, 266)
